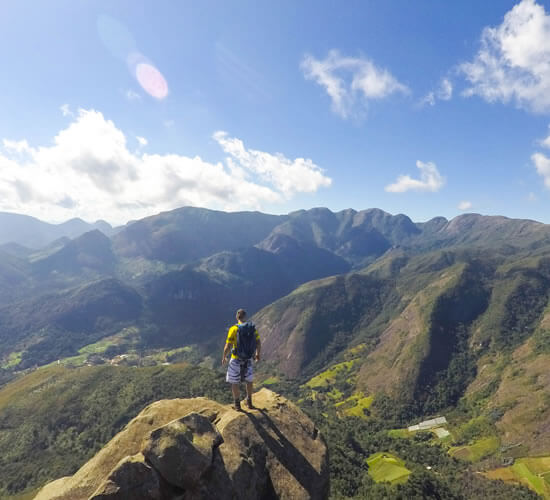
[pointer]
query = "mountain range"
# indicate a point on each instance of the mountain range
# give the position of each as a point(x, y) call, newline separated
point(352, 306)
point(179, 276)
point(18, 231)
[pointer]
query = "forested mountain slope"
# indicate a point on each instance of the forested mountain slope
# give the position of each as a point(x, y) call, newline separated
point(190, 268)
point(429, 331)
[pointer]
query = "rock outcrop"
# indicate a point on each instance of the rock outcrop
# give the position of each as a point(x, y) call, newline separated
point(193, 449)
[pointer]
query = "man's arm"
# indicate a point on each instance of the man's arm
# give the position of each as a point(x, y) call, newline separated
point(226, 351)
point(229, 343)
point(257, 357)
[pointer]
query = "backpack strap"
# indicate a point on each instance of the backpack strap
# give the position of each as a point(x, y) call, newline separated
point(238, 326)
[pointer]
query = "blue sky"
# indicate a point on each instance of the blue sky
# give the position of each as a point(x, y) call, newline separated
point(118, 110)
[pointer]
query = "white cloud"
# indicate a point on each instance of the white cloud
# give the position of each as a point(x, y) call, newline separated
point(142, 141)
point(89, 172)
point(444, 93)
point(545, 143)
point(350, 81)
point(429, 99)
point(513, 63)
point(19, 147)
point(131, 95)
point(542, 164)
point(66, 110)
point(287, 176)
point(465, 205)
point(430, 180)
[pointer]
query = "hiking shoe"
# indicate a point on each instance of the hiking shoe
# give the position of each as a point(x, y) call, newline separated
point(249, 404)
point(237, 405)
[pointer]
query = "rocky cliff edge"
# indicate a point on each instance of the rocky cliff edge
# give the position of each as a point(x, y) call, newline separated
point(192, 449)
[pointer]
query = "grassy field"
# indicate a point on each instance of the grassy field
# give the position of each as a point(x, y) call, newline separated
point(533, 472)
point(356, 405)
point(331, 396)
point(12, 361)
point(478, 450)
point(328, 376)
point(358, 349)
point(386, 467)
point(399, 433)
point(270, 380)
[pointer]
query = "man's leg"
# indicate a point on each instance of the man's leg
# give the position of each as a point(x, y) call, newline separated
point(236, 390)
point(233, 378)
point(249, 388)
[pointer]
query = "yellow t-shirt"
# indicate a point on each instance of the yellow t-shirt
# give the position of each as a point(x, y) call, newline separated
point(232, 337)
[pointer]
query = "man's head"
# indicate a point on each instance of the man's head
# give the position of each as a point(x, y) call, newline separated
point(241, 315)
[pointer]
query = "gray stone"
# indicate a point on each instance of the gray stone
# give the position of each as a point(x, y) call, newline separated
point(181, 451)
point(131, 479)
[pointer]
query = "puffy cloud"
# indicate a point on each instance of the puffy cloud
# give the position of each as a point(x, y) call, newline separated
point(89, 172)
point(542, 164)
point(287, 176)
point(350, 81)
point(66, 110)
point(444, 93)
point(465, 205)
point(513, 62)
point(430, 180)
point(142, 141)
point(16, 146)
point(545, 142)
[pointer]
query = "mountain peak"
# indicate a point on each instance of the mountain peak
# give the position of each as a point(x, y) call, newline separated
point(202, 449)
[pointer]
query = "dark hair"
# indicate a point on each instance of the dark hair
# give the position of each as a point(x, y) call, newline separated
point(241, 314)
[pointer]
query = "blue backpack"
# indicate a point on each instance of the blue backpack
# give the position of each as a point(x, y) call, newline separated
point(246, 341)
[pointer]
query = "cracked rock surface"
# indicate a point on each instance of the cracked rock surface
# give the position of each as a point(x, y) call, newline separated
point(193, 449)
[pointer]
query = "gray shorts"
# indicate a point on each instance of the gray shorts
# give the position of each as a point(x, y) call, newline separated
point(239, 371)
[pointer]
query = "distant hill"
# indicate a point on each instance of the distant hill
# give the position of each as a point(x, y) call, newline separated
point(56, 324)
point(187, 234)
point(15, 249)
point(198, 302)
point(485, 231)
point(359, 237)
point(91, 251)
point(33, 233)
point(14, 273)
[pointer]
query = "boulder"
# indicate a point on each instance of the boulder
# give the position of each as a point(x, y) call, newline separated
point(132, 478)
point(182, 450)
point(198, 449)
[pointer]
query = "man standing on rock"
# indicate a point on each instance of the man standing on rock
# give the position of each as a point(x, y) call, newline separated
point(243, 342)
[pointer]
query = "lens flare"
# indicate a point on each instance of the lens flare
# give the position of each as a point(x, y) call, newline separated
point(120, 43)
point(152, 81)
